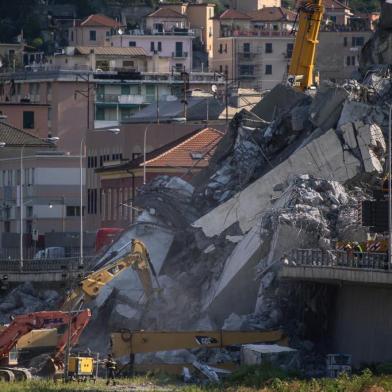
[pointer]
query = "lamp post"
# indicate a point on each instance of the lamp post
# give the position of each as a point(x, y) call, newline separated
point(114, 131)
point(390, 185)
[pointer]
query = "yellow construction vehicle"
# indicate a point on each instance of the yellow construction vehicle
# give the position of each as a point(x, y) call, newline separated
point(301, 70)
point(128, 343)
point(90, 286)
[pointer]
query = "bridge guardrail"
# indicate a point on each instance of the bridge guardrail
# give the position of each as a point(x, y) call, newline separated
point(43, 266)
point(338, 258)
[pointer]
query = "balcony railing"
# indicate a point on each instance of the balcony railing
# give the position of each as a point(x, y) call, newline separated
point(247, 56)
point(122, 99)
point(174, 31)
point(256, 33)
point(179, 55)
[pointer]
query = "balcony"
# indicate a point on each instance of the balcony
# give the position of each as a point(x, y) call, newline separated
point(121, 99)
point(256, 33)
point(246, 56)
point(171, 31)
point(179, 55)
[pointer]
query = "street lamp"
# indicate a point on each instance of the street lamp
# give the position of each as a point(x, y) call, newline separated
point(114, 131)
point(2, 144)
point(390, 185)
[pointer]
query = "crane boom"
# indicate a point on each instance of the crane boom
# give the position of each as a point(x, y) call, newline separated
point(301, 70)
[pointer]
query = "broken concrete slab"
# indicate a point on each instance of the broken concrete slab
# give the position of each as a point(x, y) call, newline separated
point(326, 108)
point(322, 157)
point(279, 99)
point(353, 111)
point(256, 354)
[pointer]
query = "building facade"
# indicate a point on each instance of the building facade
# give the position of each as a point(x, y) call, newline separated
point(253, 5)
point(49, 184)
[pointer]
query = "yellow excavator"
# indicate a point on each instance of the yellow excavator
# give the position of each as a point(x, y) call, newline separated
point(90, 286)
point(301, 71)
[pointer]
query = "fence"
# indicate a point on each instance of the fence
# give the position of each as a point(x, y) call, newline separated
point(342, 259)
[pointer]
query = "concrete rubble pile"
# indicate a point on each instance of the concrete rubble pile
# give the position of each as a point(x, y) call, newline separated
point(287, 175)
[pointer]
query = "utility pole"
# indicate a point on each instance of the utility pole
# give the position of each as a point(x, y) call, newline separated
point(185, 78)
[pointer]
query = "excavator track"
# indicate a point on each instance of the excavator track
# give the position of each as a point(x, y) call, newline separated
point(19, 374)
point(6, 375)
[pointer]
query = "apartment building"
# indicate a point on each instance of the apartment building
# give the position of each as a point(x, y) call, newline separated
point(50, 186)
point(93, 31)
point(166, 34)
point(253, 5)
point(254, 48)
point(338, 53)
point(199, 16)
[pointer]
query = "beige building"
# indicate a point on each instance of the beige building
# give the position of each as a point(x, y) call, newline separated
point(199, 16)
point(253, 5)
point(93, 31)
point(254, 48)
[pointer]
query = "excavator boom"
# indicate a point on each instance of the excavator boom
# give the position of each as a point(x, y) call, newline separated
point(89, 287)
point(301, 70)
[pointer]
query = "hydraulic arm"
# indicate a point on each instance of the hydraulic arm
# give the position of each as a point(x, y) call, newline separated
point(89, 287)
point(301, 70)
point(127, 343)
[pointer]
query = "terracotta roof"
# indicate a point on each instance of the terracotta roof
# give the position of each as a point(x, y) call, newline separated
point(272, 14)
point(100, 20)
point(196, 150)
point(192, 150)
point(166, 12)
point(110, 51)
point(15, 137)
point(230, 14)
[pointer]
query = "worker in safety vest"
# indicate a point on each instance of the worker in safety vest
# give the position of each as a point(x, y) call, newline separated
point(110, 369)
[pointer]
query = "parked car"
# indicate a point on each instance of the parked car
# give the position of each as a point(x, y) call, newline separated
point(54, 252)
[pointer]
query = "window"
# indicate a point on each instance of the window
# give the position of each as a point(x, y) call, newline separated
point(93, 35)
point(92, 197)
point(246, 47)
point(357, 41)
point(152, 46)
point(132, 44)
point(73, 211)
point(351, 61)
point(345, 41)
point(159, 46)
point(28, 120)
point(100, 114)
point(225, 48)
point(268, 69)
point(220, 48)
point(125, 89)
point(246, 70)
point(289, 50)
point(72, 36)
point(268, 48)
point(179, 49)
point(128, 63)
point(221, 68)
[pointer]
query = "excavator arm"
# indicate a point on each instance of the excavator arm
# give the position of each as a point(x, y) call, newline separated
point(23, 324)
point(89, 287)
point(301, 70)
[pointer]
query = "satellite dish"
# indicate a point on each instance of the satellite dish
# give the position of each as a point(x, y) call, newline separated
point(214, 88)
point(120, 31)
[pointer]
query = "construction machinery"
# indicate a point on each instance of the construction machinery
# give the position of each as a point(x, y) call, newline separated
point(75, 322)
point(90, 286)
point(127, 343)
point(301, 70)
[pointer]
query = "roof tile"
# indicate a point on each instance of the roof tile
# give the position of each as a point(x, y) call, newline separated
point(100, 20)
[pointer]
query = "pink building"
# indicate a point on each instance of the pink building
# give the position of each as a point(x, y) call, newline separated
point(93, 31)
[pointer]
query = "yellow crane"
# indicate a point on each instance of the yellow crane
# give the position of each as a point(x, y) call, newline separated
point(301, 70)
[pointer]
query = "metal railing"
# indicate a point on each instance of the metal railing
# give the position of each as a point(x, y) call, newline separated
point(338, 259)
point(45, 266)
